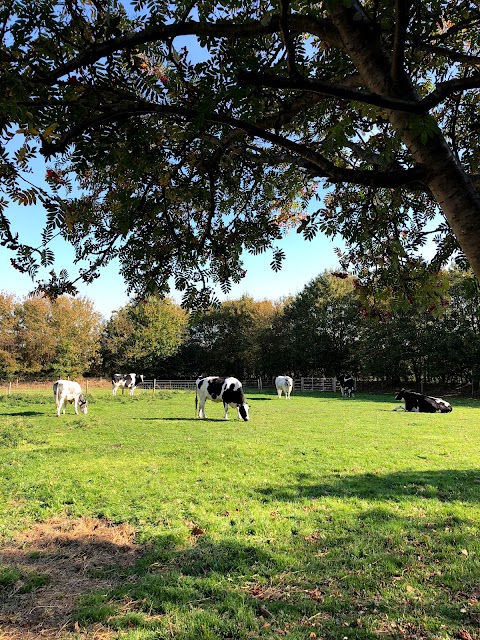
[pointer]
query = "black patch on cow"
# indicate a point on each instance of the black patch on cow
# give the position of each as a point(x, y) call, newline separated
point(214, 387)
point(241, 410)
point(234, 396)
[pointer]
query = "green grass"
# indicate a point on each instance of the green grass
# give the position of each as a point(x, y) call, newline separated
point(321, 517)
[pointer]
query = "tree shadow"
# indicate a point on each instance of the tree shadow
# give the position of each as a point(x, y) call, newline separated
point(444, 485)
point(196, 587)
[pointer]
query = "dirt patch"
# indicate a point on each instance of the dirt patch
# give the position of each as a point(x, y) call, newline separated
point(62, 555)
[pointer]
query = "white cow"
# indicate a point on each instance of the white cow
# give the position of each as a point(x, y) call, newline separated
point(68, 391)
point(285, 384)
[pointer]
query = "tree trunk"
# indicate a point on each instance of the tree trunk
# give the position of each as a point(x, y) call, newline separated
point(449, 185)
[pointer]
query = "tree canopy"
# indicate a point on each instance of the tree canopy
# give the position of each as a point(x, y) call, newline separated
point(196, 130)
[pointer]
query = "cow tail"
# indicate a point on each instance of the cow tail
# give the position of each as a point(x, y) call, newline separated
point(196, 402)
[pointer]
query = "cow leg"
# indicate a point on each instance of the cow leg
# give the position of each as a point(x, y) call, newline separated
point(75, 406)
point(225, 409)
point(201, 409)
point(114, 391)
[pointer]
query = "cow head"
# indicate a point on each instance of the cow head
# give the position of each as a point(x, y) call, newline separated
point(243, 411)
point(400, 395)
point(83, 404)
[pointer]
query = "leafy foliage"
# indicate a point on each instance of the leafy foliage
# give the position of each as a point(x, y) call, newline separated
point(40, 337)
point(183, 136)
point(140, 336)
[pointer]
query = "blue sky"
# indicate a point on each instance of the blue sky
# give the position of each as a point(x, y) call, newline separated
point(304, 261)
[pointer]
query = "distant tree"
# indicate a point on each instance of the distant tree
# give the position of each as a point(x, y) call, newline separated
point(453, 346)
point(8, 354)
point(56, 339)
point(324, 320)
point(225, 340)
point(276, 353)
point(76, 327)
point(392, 347)
point(142, 335)
point(184, 163)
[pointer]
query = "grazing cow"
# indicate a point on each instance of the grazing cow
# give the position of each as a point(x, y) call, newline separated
point(423, 404)
point(285, 384)
point(130, 381)
point(347, 385)
point(68, 391)
point(226, 390)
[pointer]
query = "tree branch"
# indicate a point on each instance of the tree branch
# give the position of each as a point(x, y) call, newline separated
point(421, 107)
point(455, 56)
point(268, 25)
point(401, 23)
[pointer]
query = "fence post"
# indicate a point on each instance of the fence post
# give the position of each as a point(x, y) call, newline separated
point(86, 385)
point(10, 388)
point(153, 388)
point(302, 384)
point(334, 385)
point(259, 383)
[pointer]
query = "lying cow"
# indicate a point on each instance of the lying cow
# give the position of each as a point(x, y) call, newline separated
point(423, 404)
point(68, 391)
point(128, 381)
point(226, 390)
point(347, 385)
point(285, 384)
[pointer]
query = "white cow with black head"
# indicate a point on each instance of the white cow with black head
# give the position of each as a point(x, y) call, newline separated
point(227, 390)
point(69, 391)
point(285, 384)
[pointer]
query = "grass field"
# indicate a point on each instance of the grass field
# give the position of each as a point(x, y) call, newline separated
point(321, 517)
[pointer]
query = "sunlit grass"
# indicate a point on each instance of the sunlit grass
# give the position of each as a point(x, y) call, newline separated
point(320, 517)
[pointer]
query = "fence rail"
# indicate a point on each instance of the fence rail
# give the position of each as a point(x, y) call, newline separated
point(304, 384)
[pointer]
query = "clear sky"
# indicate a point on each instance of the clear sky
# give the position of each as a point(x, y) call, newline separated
point(304, 261)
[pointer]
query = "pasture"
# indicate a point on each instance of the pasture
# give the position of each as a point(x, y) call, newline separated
point(321, 517)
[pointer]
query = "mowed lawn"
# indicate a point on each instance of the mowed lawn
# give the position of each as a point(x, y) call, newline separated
point(321, 517)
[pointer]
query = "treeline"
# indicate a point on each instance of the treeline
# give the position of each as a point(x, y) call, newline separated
point(322, 331)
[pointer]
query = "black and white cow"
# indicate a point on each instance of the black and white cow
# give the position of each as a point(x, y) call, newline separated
point(347, 385)
point(129, 381)
point(285, 384)
point(423, 404)
point(227, 390)
point(69, 391)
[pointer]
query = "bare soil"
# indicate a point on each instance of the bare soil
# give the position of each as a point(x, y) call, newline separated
point(67, 553)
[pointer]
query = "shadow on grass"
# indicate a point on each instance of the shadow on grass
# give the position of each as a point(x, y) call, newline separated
point(190, 419)
point(196, 588)
point(24, 413)
point(445, 485)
